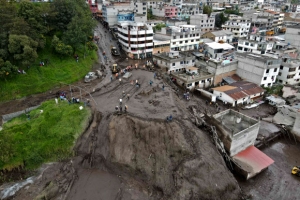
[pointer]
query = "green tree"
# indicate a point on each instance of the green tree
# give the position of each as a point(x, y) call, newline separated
point(7, 69)
point(79, 29)
point(159, 26)
point(220, 19)
point(8, 13)
point(207, 10)
point(61, 13)
point(150, 14)
point(23, 49)
point(60, 48)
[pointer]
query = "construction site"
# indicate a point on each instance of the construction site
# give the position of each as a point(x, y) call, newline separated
point(164, 146)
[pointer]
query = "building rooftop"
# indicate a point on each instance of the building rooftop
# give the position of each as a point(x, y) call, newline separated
point(258, 57)
point(177, 56)
point(222, 33)
point(202, 75)
point(216, 45)
point(240, 89)
point(234, 122)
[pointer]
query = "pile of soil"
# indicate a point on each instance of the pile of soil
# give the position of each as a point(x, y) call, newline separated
point(175, 161)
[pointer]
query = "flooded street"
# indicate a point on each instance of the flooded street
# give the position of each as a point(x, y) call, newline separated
point(276, 182)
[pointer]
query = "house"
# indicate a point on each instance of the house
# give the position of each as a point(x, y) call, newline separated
point(136, 39)
point(256, 44)
point(160, 46)
point(240, 92)
point(165, 11)
point(193, 78)
point(238, 133)
point(222, 36)
point(182, 37)
point(239, 27)
point(205, 22)
point(219, 50)
point(289, 72)
point(174, 61)
point(259, 69)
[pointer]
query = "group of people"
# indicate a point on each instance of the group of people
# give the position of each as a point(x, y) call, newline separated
point(120, 107)
point(186, 96)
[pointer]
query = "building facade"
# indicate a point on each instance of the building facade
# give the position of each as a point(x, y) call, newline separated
point(203, 21)
point(182, 38)
point(239, 27)
point(174, 61)
point(161, 46)
point(289, 72)
point(136, 39)
point(292, 35)
point(259, 69)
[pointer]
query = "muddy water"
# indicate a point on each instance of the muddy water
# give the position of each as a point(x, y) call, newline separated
point(95, 184)
point(276, 182)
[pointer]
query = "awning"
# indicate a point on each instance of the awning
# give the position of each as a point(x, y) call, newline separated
point(252, 160)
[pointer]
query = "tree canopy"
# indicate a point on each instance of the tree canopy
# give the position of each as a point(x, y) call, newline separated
point(26, 26)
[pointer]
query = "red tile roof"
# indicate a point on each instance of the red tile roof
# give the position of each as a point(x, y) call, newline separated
point(252, 160)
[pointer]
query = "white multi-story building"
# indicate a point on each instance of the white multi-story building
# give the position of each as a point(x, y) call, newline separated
point(136, 39)
point(182, 38)
point(289, 72)
point(259, 69)
point(219, 51)
point(174, 61)
point(203, 21)
point(239, 27)
point(135, 11)
point(256, 44)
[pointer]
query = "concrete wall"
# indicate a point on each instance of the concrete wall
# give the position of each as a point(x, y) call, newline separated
point(244, 139)
point(10, 116)
point(161, 49)
point(292, 36)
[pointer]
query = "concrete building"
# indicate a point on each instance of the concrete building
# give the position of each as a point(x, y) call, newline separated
point(193, 78)
point(219, 51)
point(154, 22)
point(174, 61)
point(289, 72)
point(222, 36)
point(295, 8)
point(239, 130)
point(292, 35)
point(240, 92)
point(115, 12)
point(256, 44)
point(136, 39)
point(239, 27)
point(203, 21)
point(165, 11)
point(259, 69)
point(220, 69)
point(176, 22)
point(182, 38)
point(238, 133)
point(160, 46)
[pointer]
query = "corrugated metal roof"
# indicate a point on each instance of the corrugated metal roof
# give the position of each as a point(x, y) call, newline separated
point(252, 160)
point(240, 89)
point(224, 88)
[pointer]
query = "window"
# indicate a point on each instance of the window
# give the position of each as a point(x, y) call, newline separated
point(174, 37)
point(247, 43)
point(267, 71)
point(279, 74)
point(292, 69)
point(174, 42)
point(290, 76)
point(265, 78)
point(173, 64)
point(193, 60)
point(281, 67)
point(275, 70)
point(240, 48)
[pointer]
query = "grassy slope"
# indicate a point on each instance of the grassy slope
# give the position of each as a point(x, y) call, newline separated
point(40, 79)
point(47, 136)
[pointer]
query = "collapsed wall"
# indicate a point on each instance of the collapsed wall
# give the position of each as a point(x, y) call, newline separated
point(178, 161)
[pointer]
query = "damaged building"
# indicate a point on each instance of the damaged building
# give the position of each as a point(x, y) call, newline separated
point(238, 133)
